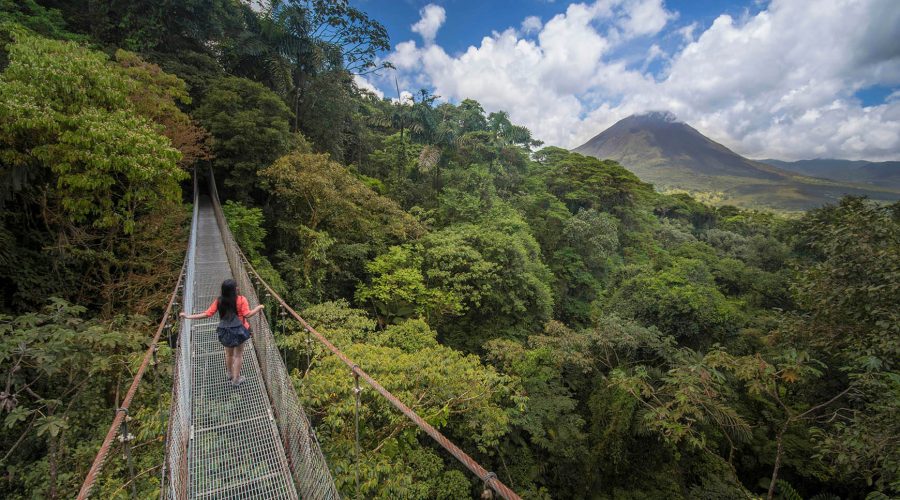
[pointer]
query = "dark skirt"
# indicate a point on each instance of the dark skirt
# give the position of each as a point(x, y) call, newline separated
point(232, 336)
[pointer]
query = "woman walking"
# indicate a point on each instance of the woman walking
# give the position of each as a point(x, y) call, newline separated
point(233, 329)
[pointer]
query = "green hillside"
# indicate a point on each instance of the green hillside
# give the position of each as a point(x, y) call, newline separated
point(880, 173)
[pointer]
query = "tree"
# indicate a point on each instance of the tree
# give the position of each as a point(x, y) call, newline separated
point(357, 37)
point(847, 295)
point(588, 242)
point(73, 118)
point(680, 299)
point(546, 443)
point(307, 52)
point(395, 162)
point(586, 182)
point(328, 223)
point(470, 116)
point(60, 370)
point(147, 26)
point(398, 289)
point(43, 21)
point(247, 227)
point(157, 95)
point(86, 163)
point(779, 384)
point(495, 268)
point(453, 392)
point(689, 403)
point(250, 126)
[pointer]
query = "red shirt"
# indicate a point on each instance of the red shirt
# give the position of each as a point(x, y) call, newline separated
point(243, 308)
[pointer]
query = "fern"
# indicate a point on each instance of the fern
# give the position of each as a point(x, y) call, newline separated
point(786, 491)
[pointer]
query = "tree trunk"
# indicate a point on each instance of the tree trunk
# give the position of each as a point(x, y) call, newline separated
point(54, 467)
point(297, 113)
point(779, 450)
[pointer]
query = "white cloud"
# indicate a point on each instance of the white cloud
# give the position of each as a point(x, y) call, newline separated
point(644, 17)
point(778, 84)
point(406, 98)
point(432, 18)
point(532, 24)
point(687, 32)
point(405, 56)
point(362, 83)
point(653, 53)
point(753, 83)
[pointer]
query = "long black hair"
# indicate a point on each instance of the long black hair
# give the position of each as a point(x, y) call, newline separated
point(228, 299)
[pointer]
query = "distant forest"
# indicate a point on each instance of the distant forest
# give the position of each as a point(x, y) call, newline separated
point(575, 331)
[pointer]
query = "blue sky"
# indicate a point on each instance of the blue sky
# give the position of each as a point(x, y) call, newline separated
point(766, 78)
point(470, 20)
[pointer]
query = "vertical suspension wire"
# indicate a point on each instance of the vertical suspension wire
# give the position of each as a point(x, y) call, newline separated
point(281, 319)
point(155, 364)
point(308, 351)
point(356, 391)
point(126, 438)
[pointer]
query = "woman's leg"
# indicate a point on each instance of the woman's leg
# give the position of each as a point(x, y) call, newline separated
point(229, 356)
point(237, 361)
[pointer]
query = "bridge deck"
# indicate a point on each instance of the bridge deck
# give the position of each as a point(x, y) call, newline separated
point(235, 449)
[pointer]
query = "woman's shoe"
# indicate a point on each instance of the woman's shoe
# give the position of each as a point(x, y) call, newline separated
point(240, 380)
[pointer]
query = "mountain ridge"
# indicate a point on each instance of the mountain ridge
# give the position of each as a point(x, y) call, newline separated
point(879, 173)
point(672, 155)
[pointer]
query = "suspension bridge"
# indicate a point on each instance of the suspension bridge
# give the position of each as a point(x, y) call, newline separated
point(254, 441)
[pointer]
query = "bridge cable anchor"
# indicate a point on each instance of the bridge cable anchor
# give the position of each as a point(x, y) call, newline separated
point(488, 492)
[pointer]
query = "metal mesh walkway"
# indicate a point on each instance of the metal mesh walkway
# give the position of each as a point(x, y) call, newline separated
point(235, 449)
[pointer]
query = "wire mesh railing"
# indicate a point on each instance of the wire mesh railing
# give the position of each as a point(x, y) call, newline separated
point(174, 480)
point(307, 464)
point(281, 386)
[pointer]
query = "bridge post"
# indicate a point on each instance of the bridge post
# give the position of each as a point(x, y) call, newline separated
point(155, 364)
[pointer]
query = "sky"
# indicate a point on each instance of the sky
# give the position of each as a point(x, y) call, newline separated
point(786, 79)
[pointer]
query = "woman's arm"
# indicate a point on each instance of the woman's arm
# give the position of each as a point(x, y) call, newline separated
point(254, 311)
point(205, 314)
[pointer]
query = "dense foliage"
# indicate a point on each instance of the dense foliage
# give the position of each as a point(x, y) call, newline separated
point(572, 329)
